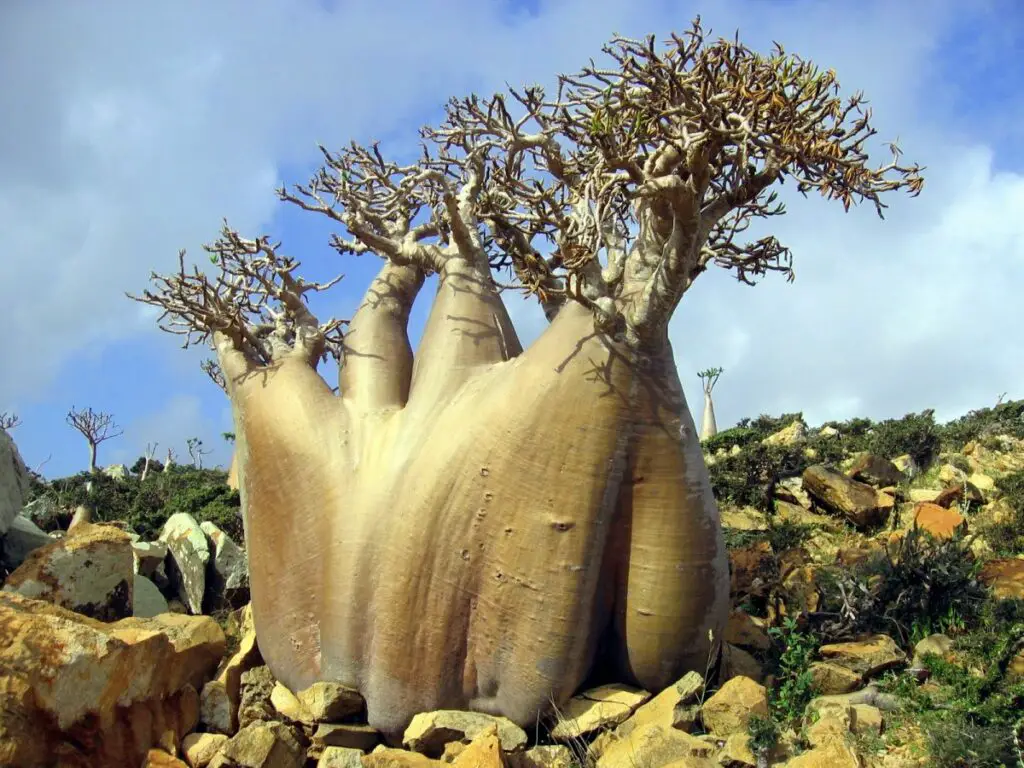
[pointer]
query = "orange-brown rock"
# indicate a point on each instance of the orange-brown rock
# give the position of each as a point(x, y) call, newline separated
point(1005, 577)
point(937, 520)
point(93, 693)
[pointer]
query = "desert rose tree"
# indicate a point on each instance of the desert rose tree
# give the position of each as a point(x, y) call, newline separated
point(477, 525)
point(708, 379)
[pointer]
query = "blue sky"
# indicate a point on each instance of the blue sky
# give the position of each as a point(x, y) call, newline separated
point(144, 124)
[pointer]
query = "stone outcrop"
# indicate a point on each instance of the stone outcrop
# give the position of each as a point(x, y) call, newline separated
point(97, 694)
point(14, 481)
point(89, 571)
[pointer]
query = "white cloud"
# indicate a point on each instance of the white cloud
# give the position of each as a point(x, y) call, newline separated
point(144, 124)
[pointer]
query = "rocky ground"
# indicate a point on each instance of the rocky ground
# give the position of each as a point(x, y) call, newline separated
point(877, 620)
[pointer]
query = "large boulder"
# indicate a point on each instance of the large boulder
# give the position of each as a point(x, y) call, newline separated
point(189, 556)
point(84, 693)
point(14, 481)
point(89, 571)
point(858, 502)
point(227, 577)
point(21, 540)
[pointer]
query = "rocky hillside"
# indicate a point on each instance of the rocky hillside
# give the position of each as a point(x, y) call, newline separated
point(878, 620)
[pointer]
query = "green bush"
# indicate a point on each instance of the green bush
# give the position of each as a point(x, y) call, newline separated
point(145, 506)
point(928, 585)
point(969, 711)
point(750, 476)
point(1003, 419)
point(1006, 537)
point(916, 434)
point(749, 432)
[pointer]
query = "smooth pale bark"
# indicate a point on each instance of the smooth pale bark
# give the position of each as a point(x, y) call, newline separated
point(708, 428)
point(464, 535)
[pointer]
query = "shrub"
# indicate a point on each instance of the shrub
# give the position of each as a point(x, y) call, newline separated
point(145, 507)
point(928, 585)
point(1006, 537)
point(750, 476)
point(916, 434)
point(1003, 419)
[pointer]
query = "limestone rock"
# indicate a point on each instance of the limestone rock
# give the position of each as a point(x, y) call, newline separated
point(937, 520)
point(547, 756)
point(23, 537)
point(88, 571)
point(220, 698)
point(831, 679)
point(147, 601)
point(228, 572)
point(597, 709)
point(652, 744)
point(484, 751)
point(148, 556)
point(265, 745)
point(788, 435)
point(832, 755)
point(675, 707)
point(327, 702)
point(730, 708)
point(189, 555)
point(200, 748)
point(745, 631)
point(737, 753)
point(868, 656)
point(924, 494)
point(875, 470)
point(103, 693)
point(1005, 577)
point(389, 757)
point(745, 519)
point(737, 662)
point(858, 502)
point(255, 704)
point(158, 758)
point(14, 481)
point(428, 732)
point(340, 757)
point(347, 735)
point(791, 489)
point(867, 719)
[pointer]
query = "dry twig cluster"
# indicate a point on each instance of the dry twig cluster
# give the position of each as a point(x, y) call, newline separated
point(616, 192)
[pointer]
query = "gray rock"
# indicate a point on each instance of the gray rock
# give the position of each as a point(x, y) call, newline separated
point(147, 600)
point(189, 556)
point(227, 578)
point(89, 572)
point(116, 471)
point(14, 481)
point(149, 555)
point(21, 539)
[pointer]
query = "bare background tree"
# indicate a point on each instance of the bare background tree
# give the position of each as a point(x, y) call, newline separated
point(9, 421)
point(96, 427)
point(150, 453)
point(196, 452)
point(708, 379)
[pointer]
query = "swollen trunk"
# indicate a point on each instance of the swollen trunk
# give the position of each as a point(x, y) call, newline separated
point(472, 546)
